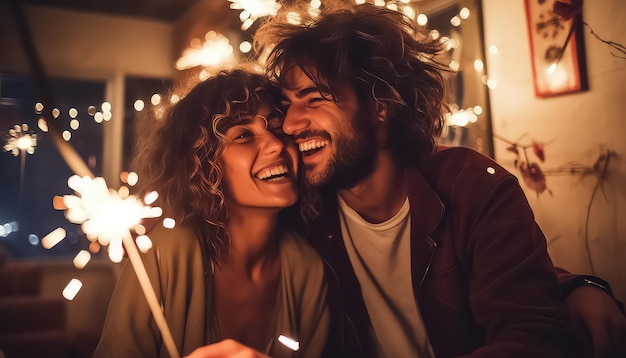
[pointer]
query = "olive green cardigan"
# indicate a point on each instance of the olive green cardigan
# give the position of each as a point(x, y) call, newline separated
point(182, 280)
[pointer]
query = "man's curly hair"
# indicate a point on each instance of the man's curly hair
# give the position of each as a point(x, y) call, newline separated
point(383, 54)
point(178, 156)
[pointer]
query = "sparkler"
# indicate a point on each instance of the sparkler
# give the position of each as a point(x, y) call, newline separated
point(22, 141)
point(108, 216)
point(251, 10)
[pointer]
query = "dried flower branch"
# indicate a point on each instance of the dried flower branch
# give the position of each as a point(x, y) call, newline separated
point(568, 11)
point(535, 178)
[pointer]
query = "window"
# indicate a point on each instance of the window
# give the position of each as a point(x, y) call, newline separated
point(28, 182)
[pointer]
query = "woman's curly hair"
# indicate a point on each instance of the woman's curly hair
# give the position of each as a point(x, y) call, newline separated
point(178, 155)
point(380, 52)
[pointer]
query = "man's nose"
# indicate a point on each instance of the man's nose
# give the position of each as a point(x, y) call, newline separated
point(296, 120)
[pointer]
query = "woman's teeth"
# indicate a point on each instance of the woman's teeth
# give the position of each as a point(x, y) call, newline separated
point(274, 172)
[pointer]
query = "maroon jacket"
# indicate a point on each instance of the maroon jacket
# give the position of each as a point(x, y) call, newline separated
point(482, 277)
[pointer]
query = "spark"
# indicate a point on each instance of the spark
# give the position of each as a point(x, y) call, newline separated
point(105, 215)
point(289, 343)
point(251, 10)
point(21, 140)
point(72, 288)
point(213, 52)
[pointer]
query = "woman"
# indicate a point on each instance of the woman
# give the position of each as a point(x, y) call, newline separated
point(231, 268)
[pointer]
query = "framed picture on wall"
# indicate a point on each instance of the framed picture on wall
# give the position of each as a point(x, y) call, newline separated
point(556, 47)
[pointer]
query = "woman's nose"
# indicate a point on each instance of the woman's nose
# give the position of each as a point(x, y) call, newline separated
point(273, 143)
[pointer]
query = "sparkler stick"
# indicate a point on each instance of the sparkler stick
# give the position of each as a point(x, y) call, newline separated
point(148, 291)
point(108, 216)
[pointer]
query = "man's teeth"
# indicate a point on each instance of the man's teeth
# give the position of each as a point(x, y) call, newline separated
point(313, 144)
point(276, 171)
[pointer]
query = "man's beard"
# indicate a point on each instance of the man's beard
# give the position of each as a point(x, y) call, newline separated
point(354, 158)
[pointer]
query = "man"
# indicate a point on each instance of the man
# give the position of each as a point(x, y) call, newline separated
point(430, 252)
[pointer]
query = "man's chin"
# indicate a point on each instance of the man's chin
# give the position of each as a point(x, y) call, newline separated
point(315, 179)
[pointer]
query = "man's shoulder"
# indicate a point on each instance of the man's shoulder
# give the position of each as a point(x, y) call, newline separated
point(462, 161)
point(459, 170)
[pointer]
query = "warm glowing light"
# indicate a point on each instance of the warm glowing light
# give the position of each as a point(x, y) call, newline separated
point(289, 343)
point(454, 66)
point(491, 83)
point(434, 34)
point(169, 223)
point(106, 107)
point(53, 238)
point(493, 49)
point(74, 124)
point(155, 99)
point(254, 9)
point(422, 19)
point(67, 136)
point(81, 259)
point(174, 99)
point(91, 110)
point(245, 47)
point(552, 68)
point(294, 18)
point(478, 65)
point(55, 112)
point(490, 170)
point(104, 215)
point(143, 243)
point(379, 2)
point(461, 117)
point(21, 140)
point(123, 192)
point(42, 124)
point(73, 112)
point(132, 178)
point(139, 105)
point(98, 117)
point(215, 51)
point(107, 116)
point(71, 290)
point(408, 12)
point(464, 13)
point(38, 108)
point(478, 110)
point(455, 21)
point(151, 197)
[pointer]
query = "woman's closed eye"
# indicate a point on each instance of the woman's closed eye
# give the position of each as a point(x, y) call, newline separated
point(241, 135)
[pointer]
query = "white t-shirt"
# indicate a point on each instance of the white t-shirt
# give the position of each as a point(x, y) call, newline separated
point(381, 257)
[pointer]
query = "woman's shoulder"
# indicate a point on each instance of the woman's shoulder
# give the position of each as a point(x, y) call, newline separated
point(179, 237)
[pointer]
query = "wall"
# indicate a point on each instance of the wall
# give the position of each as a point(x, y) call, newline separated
point(577, 127)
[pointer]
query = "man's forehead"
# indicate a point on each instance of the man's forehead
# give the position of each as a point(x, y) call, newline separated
point(295, 79)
